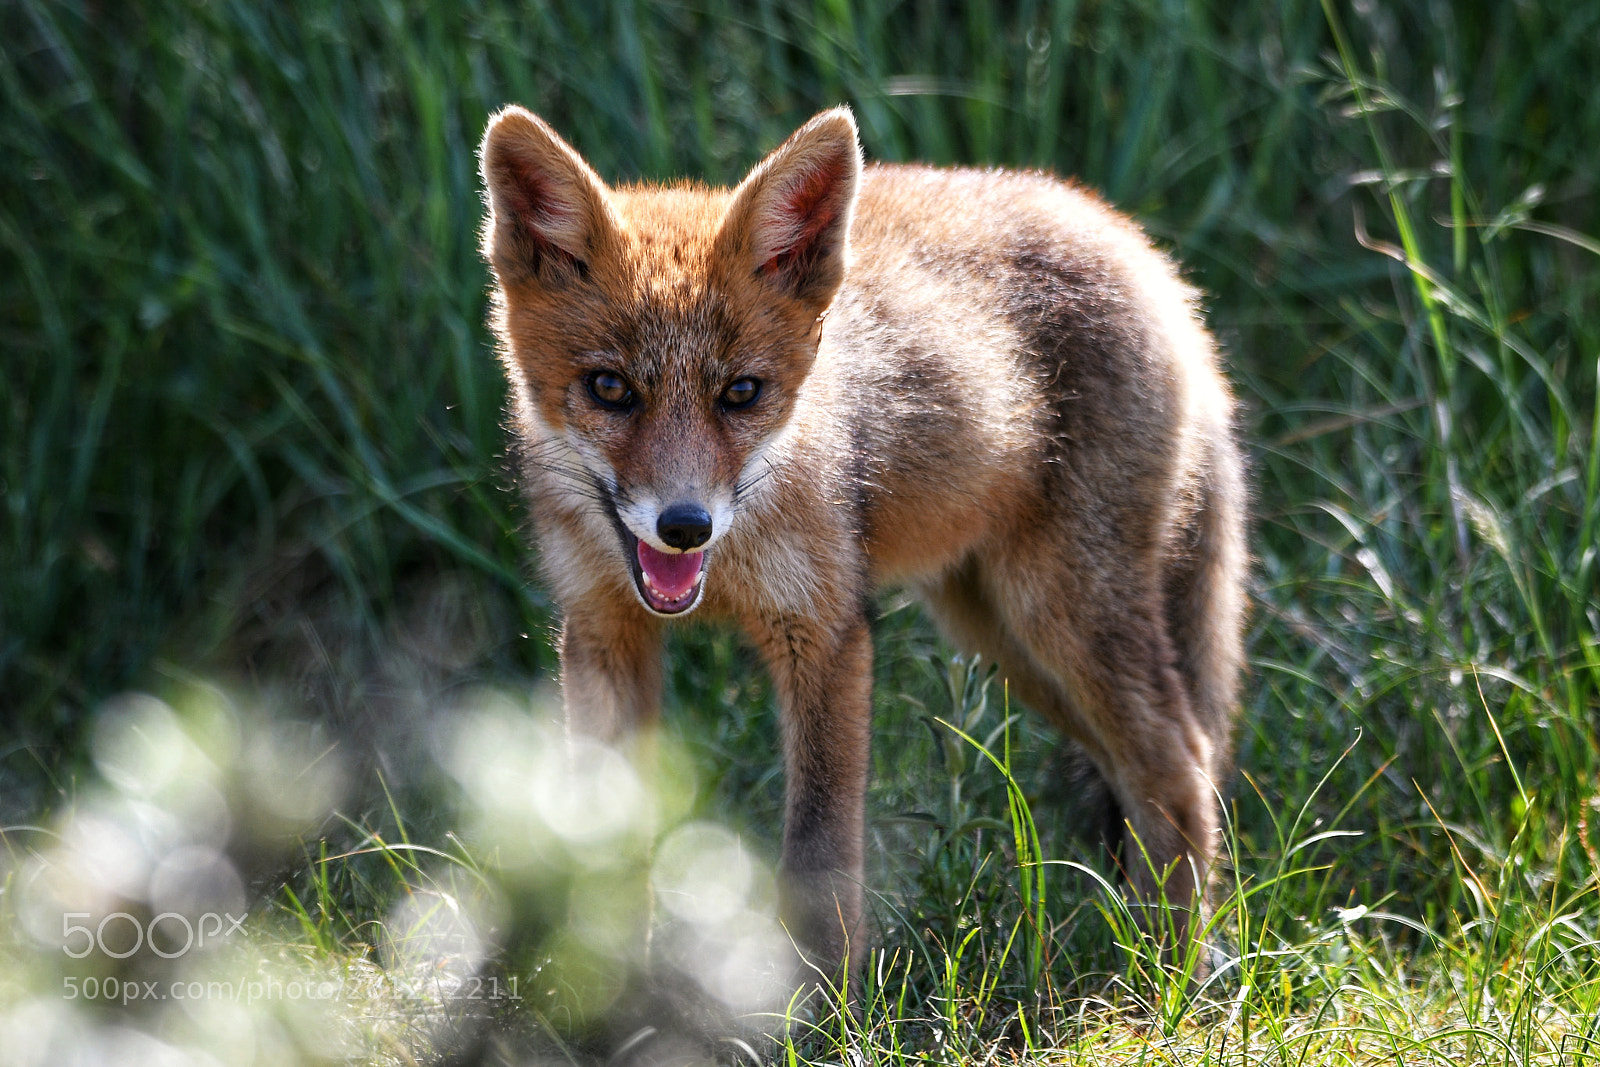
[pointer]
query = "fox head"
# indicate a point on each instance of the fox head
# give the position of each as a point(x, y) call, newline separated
point(656, 338)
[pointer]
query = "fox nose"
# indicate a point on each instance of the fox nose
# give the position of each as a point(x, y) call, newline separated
point(684, 526)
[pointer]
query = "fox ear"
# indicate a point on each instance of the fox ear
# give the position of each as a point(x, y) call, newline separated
point(549, 214)
point(790, 219)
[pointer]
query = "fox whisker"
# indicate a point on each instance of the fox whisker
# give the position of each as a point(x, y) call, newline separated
point(554, 458)
point(742, 490)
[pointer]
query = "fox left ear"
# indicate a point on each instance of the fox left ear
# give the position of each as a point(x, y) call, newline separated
point(549, 215)
point(790, 219)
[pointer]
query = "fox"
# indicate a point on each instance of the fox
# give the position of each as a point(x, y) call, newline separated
point(761, 405)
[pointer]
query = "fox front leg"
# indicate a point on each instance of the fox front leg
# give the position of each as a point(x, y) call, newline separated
point(610, 672)
point(823, 673)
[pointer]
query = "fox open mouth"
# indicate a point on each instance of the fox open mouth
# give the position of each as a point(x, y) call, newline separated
point(668, 582)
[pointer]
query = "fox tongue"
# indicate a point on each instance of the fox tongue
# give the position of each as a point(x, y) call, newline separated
point(671, 573)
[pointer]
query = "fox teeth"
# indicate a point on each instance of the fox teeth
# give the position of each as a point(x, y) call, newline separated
point(673, 600)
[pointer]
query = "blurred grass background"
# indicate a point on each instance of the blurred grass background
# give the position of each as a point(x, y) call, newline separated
point(250, 422)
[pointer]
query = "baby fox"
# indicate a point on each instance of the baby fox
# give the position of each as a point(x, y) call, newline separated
point(761, 404)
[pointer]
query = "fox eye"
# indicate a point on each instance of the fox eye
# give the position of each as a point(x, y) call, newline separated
point(742, 393)
point(610, 390)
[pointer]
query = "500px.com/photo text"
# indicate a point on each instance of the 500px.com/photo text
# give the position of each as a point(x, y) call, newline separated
point(128, 935)
point(259, 990)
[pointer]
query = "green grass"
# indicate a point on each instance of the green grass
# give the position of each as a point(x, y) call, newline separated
point(251, 460)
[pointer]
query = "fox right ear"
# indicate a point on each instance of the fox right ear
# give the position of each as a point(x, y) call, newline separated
point(549, 215)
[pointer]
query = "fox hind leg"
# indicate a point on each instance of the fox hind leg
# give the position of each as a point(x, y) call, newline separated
point(1119, 694)
point(969, 616)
